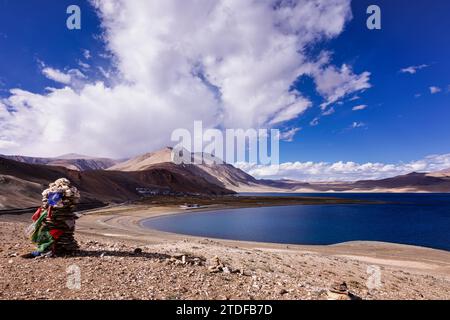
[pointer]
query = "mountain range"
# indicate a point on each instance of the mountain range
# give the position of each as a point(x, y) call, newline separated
point(71, 161)
point(22, 179)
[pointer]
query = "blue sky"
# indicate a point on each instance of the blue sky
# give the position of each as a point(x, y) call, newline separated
point(402, 120)
point(30, 33)
point(399, 126)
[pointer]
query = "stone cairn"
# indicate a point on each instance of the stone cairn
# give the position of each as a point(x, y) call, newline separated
point(62, 215)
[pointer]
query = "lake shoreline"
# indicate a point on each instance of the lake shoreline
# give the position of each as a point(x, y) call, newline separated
point(317, 224)
point(129, 228)
point(120, 259)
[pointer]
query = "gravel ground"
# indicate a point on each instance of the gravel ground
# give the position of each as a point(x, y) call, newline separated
point(202, 269)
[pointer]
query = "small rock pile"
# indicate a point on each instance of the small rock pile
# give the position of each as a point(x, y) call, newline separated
point(340, 291)
point(217, 266)
point(186, 260)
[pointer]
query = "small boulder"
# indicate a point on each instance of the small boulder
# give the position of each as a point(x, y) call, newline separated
point(283, 291)
point(339, 291)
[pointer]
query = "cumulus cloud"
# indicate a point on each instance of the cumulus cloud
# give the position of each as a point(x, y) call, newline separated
point(228, 63)
point(434, 90)
point(344, 171)
point(414, 69)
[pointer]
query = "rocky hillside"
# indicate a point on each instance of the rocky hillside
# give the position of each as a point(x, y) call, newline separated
point(21, 183)
point(221, 174)
point(144, 161)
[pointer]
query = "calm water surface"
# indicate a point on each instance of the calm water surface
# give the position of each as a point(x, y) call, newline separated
point(416, 219)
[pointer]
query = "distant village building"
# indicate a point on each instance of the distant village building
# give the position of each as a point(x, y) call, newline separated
point(164, 191)
point(154, 191)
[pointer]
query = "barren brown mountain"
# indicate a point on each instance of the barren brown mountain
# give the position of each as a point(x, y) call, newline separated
point(21, 183)
point(222, 174)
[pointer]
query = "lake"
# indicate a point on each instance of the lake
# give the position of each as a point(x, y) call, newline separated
point(415, 219)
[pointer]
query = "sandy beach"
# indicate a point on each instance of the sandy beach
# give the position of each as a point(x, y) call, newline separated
point(120, 259)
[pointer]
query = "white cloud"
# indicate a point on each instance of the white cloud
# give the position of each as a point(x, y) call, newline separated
point(434, 90)
point(5, 144)
point(334, 83)
point(413, 69)
point(56, 75)
point(106, 74)
point(314, 122)
point(328, 112)
point(357, 125)
point(360, 107)
point(289, 134)
point(228, 63)
point(83, 65)
point(344, 171)
point(69, 77)
point(86, 54)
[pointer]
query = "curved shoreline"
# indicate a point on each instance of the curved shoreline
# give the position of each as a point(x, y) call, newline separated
point(118, 223)
point(217, 210)
point(120, 259)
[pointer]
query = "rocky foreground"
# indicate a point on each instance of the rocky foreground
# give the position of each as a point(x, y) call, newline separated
point(199, 269)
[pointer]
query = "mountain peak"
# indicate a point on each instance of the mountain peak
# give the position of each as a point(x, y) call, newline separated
point(144, 161)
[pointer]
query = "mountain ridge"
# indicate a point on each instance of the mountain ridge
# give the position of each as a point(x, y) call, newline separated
point(223, 174)
point(70, 161)
point(22, 179)
point(21, 183)
point(237, 180)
